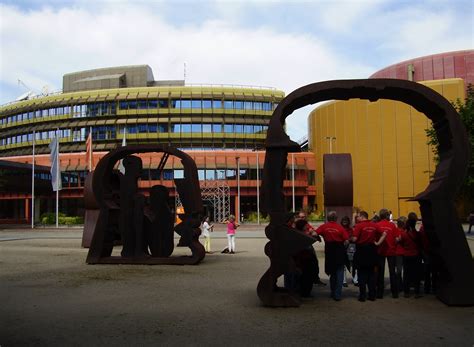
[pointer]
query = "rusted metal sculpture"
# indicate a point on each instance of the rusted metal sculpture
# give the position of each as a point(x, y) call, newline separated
point(337, 184)
point(92, 212)
point(143, 228)
point(443, 228)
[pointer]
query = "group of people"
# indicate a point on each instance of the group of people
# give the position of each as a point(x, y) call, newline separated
point(364, 250)
point(207, 228)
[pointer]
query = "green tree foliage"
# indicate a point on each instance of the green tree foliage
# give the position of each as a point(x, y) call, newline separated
point(466, 112)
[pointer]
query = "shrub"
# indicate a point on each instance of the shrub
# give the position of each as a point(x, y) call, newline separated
point(50, 218)
point(316, 216)
point(252, 218)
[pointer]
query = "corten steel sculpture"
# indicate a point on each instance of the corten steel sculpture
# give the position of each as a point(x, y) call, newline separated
point(337, 184)
point(446, 237)
point(146, 231)
point(92, 212)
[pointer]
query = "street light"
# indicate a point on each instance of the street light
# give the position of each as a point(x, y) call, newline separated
point(258, 187)
point(293, 179)
point(331, 139)
point(237, 208)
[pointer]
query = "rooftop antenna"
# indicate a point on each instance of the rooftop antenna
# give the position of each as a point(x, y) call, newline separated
point(21, 83)
point(27, 95)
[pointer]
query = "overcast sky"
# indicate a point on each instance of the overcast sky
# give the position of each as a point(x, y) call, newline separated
point(283, 44)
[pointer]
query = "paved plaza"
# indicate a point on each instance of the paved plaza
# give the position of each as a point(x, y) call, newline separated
point(50, 297)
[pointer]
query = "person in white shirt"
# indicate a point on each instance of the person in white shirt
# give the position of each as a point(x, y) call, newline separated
point(206, 228)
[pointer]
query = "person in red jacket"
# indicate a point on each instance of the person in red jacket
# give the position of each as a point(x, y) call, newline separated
point(335, 237)
point(410, 240)
point(401, 225)
point(387, 245)
point(365, 257)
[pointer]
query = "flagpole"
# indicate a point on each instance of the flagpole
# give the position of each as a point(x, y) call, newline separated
point(90, 152)
point(57, 181)
point(33, 186)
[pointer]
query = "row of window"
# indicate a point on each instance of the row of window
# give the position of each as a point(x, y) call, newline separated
point(110, 108)
point(109, 132)
point(195, 104)
point(76, 178)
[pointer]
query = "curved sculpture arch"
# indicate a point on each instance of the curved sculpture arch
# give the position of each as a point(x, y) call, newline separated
point(104, 184)
point(443, 228)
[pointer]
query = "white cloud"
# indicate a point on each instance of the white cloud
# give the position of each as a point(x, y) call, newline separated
point(39, 47)
point(341, 39)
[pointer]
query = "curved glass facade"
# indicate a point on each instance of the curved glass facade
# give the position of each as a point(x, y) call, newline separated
point(189, 117)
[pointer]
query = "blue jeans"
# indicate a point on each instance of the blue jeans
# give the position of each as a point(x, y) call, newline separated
point(335, 281)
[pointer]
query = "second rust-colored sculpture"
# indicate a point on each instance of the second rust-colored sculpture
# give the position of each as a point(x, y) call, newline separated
point(337, 184)
point(447, 241)
point(146, 229)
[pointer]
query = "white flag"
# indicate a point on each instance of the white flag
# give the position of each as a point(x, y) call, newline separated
point(55, 170)
point(124, 143)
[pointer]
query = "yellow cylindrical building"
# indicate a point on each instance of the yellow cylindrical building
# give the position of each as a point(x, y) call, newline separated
point(392, 161)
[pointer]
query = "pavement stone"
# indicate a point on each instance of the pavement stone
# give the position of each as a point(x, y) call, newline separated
point(50, 297)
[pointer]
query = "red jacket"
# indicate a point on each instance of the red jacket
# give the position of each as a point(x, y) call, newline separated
point(389, 245)
point(410, 243)
point(332, 232)
point(365, 232)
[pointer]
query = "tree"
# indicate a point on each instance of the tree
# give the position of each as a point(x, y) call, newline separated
point(466, 112)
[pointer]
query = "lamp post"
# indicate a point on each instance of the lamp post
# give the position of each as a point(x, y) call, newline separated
point(293, 179)
point(237, 208)
point(330, 139)
point(258, 187)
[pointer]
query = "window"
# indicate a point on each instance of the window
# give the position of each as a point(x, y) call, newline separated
point(132, 129)
point(207, 128)
point(216, 128)
point(196, 128)
point(178, 174)
point(142, 128)
point(152, 103)
point(167, 174)
point(152, 128)
point(239, 128)
point(248, 129)
point(196, 104)
point(185, 128)
point(201, 175)
point(228, 128)
point(132, 104)
point(238, 105)
point(257, 106)
point(183, 103)
point(176, 128)
point(206, 104)
point(228, 104)
point(163, 103)
point(217, 104)
point(266, 106)
point(210, 174)
point(248, 105)
point(220, 174)
point(123, 105)
point(230, 174)
point(142, 104)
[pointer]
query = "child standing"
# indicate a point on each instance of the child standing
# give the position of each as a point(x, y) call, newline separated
point(231, 227)
point(206, 228)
